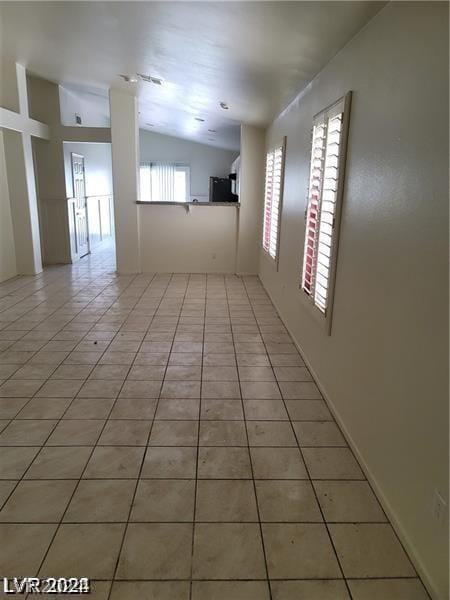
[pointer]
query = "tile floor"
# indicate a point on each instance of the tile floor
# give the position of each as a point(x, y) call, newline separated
point(161, 435)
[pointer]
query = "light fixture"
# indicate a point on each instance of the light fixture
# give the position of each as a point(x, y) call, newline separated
point(199, 119)
point(150, 124)
point(150, 79)
point(224, 105)
point(212, 130)
point(129, 78)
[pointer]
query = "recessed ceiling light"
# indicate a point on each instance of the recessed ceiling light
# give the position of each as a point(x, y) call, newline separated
point(212, 130)
point(150, 79)
point(224, 105)
point(199, 119)
point(150, 124)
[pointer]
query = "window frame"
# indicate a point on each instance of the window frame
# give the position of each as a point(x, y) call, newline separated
point(178, 166)
point(342, 105)
point(266, 253)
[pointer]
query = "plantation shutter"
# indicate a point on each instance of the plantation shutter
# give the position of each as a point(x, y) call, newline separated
point(323, 208)
point(272, 199)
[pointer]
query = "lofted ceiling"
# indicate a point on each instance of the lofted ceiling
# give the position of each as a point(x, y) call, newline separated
point(254, 56)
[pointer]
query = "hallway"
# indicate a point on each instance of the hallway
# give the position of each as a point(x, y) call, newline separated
point(163, 433)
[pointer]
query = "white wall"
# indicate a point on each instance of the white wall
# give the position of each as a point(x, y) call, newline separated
point(205, 161)
point(384, 367)
point(97, 164)
point(92, 108)
point(8, 266)
point(182, 239)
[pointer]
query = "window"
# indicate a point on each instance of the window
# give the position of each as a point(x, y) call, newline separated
point(164, 182)
point(329, 138)
point(272, 199)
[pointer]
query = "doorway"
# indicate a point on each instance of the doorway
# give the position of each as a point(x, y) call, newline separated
point(80, 216)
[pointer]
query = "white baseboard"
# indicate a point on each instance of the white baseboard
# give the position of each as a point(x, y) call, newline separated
point(391, 514)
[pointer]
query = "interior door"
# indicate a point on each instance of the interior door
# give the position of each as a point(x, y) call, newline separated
point(79, 193)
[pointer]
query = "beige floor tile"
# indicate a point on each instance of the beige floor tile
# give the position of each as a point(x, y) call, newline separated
point(151, 358)
point(89, 408)
point(252, 360)
point(6, 487)
point(230, 590)
point(219, 359)
point(318, 433)
point(185, 359)
point(151, 590)
point(287, 501)
point(146, 373)
point(38, 502)
point(256, 373)
point(270, 433)
point(292, 374)
point(221, 389)
point(299, 390)
point(10, 407)
point(273, 348)
point(76, 432)
point(72, 372)
point(114, 358)
point(15, 461)
point(173, 409)
point(308, 410)
point(100, 388)
point(299, 551)
point(26, 547)
point(34, 372)
point(59, 463)
point(84, 550)
point(107, 372)
point(181, 389)
point(183, 373)
point(224, 463)
point(133, 408)
point(332, 463)
point(103, 501)
point(174, 433)
point(226, 501)
point(7, 370)
point(250, 348)
point(222, 433)
point(44, 408)
point(125, 433)
point(260, 390)
point(228, 551)
point(60, 388)
point(50, 357)
point(265, 410)
point(310, 590)
point(140, 389)
point(26, 433)
point(348, 501)
point(278, 463)
point(83, 358)
point(187, 347)
point(175, 462)
point(156, 551)
point(114, 462)
point(218, 348)
point(219, 373)
point(20, 388)
point(161, 500)
point(370, 550)
point(382, 589)
point(219, 409)
point(286, 360)
point(98, 590)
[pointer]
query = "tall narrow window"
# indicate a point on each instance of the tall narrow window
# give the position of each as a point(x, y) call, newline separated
point(329, 140)
point(273, 196)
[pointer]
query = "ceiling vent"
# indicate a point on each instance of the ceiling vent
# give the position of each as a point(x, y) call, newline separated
point(150, 79)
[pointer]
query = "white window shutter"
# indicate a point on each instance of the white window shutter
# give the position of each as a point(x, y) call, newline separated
point(324, 200)
point(272, 200)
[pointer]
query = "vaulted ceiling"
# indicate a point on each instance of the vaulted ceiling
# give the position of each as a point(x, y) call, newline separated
point(254, 56)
